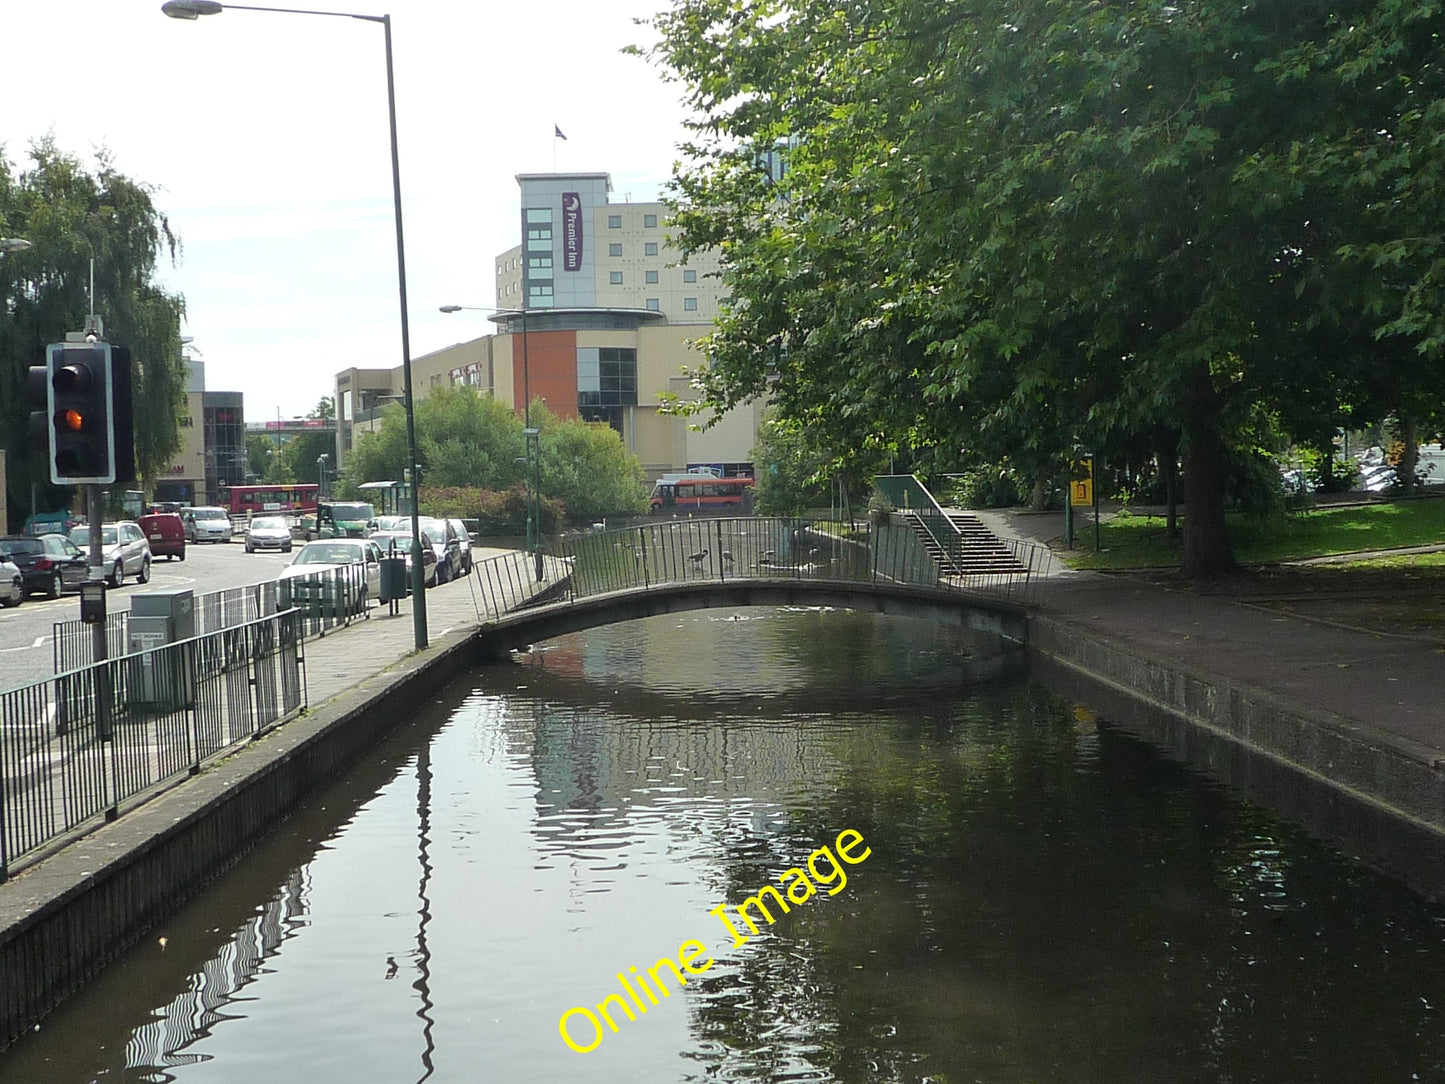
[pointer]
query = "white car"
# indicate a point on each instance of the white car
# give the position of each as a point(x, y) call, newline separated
point(12, 584)
point(355, 562)
point(268, 533)
point(207, 524)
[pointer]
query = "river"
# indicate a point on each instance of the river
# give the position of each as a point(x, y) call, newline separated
point(1042, 898)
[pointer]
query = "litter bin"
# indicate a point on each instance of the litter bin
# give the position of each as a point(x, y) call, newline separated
point(394, 583)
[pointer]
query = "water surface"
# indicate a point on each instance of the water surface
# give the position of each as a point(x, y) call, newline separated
point(1045, 899)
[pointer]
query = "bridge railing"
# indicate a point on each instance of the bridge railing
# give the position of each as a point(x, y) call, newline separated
point(75, 746)
point(717, 550)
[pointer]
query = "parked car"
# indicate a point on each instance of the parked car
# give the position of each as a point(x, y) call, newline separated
point(447, 545)
point(207, 524)
point(306, 578)
point(399, 542)
point(48, 563)
point(124, 552)
point(12, 584)
point(166, 534)
point(465, 537)
point(268, 533)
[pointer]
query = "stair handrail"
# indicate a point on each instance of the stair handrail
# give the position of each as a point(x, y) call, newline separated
point(898, 488)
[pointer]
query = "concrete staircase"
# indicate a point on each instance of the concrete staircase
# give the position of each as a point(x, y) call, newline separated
point(972, 550)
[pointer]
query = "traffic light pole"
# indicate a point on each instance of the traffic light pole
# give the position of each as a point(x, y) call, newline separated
point(99, 651)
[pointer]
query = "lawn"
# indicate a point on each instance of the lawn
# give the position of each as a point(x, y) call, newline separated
point(1143, 541)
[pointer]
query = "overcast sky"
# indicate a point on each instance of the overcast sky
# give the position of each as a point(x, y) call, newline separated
point(265, 137)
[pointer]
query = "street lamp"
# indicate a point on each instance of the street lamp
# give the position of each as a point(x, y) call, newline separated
point(13, 244)
point(193, 9)
point(532, 437)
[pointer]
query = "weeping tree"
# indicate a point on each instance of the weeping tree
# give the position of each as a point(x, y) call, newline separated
point(78, 217)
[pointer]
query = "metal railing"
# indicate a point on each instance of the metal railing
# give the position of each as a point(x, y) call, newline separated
point(753, 548)
point(214, 611)
point(74, 747)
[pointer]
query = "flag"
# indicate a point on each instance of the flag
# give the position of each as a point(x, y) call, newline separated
point(557, 133)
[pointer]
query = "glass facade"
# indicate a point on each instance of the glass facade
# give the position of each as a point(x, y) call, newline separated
point(606, 378)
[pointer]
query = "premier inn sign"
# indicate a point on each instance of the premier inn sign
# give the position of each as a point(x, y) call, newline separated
point(571, 231)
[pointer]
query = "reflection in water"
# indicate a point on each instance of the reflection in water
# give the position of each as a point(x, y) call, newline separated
point(1046, 900)
point(191, 1016)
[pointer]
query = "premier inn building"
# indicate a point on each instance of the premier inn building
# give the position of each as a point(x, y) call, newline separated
point(596, 313)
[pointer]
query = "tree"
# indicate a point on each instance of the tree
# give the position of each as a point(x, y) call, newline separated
point(73, 216)
point(1017, 225)
point(586, 466)
point(792, 475)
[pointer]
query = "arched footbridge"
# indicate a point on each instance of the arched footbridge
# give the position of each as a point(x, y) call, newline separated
point(604, 577)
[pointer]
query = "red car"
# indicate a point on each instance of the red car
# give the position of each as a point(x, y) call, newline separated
point(166, 534)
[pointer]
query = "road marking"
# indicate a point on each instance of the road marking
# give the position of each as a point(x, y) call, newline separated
point(40, 641)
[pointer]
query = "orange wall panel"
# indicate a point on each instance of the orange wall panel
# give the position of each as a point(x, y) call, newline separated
point(552, 365)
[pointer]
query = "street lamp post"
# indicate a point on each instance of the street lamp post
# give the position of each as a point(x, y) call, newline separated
point(533, 443)
point(193, 9)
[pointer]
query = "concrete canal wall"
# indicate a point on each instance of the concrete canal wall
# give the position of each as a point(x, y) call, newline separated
point(1378, 796)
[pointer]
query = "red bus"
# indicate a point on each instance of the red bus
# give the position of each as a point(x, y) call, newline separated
point(701, 492)
point(247, 500)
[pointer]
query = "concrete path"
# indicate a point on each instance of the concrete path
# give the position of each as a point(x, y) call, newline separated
point(1389, 684)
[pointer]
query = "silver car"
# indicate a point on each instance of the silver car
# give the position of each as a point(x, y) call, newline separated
point(268, 533)
point(12, 584)
point(465, 538)
point(124, 550)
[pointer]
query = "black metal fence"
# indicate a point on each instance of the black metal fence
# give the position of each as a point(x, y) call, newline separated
point(74, 747)
point(215, 610)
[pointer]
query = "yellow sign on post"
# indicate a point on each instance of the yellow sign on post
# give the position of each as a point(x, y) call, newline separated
point(1081, 489)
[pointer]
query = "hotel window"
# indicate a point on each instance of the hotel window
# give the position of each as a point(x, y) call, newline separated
point(650, 248)
point(539, 267)
point(649, 222)
point(614, 278)
point(651, 278)
point(539, 214)
point(614, 249)
point(689, 275)
point(614, 222)
point(606, 376)
point(690, 304)
point(654, 304)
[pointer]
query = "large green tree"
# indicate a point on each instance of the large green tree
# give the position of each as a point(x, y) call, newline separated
point(1011, 225)
point(77, 217)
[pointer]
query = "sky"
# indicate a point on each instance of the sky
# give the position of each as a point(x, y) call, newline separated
point(265, 137)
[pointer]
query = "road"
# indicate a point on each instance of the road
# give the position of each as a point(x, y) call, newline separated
point(26, 653)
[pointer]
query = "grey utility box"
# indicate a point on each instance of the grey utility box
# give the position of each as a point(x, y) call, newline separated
point(164, 680)
point(179, 606)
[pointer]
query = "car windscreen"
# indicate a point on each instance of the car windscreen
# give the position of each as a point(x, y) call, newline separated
point(211, 513)
point(269, 523)
point(352, 513)
point(81, 536)
point(20, 547)
point(328, 555)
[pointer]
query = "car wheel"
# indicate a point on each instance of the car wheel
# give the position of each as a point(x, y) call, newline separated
point(16, 596)
point(145, 572)
point(249, 549)
point(55, 587)
point(117, 575)
point(182, 555)
point(286, 548)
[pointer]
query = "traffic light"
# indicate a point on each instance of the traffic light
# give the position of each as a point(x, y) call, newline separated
point(88, 412)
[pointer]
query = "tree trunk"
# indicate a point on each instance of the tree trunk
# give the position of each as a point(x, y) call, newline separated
point(1039, 496)
point(1207, 550)
point(1409, 457)
point(1169, 467)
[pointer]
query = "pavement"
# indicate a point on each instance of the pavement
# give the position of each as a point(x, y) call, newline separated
point(361, 652)
point(1393, 685)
